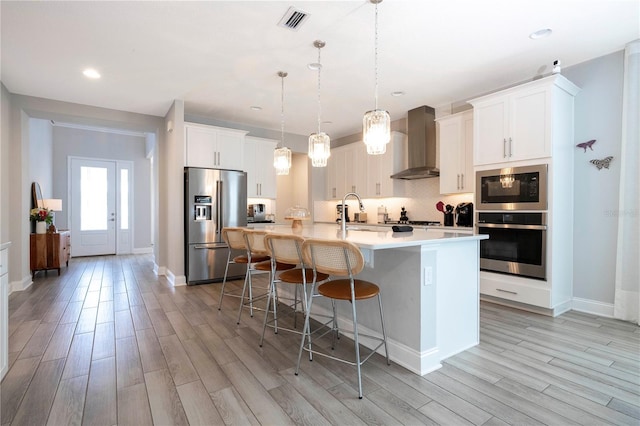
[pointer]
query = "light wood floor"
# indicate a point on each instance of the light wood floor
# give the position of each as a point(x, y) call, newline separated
point(110, 343)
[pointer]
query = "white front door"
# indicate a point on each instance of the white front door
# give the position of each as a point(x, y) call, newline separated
point(93, 207)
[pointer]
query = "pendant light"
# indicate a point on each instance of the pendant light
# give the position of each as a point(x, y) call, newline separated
point(319, 143)
point(282, 154)
point(376, 124)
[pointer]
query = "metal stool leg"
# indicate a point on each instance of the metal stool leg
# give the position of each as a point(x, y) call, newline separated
point(247, 278)
point(384, 334)
point(224, 281)
point(266, 312)
point(357, 346)
point(306, 330)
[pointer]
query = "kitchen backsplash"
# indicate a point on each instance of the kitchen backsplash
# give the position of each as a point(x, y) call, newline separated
point(420, 203)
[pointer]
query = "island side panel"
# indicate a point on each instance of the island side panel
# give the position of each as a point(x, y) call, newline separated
point(458, 293)
point(409, 306)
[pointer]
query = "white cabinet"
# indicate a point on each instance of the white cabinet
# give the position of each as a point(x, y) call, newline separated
point(335, 163)
point(351, 169)
point(381, 167)
point(346, 171)
point(517, 123)
point(214, 147)
point(456, 153)
point(4, 309)
point(355, 171)
point(539, 118)
point(258, 163)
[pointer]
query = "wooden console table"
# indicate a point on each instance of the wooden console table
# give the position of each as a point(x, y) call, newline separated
point(50, 251)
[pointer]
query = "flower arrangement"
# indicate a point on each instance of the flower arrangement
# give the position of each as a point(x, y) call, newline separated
point(41, 214)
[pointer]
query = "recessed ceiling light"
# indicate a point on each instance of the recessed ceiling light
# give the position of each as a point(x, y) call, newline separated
point(542, 33)
point(255, 108)
point(315, 66)
point(91, 73)
point(327, 122)
point(398, 93)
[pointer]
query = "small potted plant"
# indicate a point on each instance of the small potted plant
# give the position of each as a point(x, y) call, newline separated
point(42, 217)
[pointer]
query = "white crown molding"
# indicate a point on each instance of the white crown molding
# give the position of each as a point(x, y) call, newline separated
point(98, 129)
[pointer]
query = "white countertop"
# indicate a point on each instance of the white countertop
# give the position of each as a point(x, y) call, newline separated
point(375, 237)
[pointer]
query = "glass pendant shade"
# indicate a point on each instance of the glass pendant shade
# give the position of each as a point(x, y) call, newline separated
point(376, 131)
point(319, 142)
point(282, 160)
point(319, 149)
point(282, 154)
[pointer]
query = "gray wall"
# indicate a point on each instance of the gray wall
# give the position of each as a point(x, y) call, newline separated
point(107, 146)
point(5, 160)
point(598, 115)
point(40, 153)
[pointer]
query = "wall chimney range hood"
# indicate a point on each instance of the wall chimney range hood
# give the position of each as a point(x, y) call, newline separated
point(421, 146)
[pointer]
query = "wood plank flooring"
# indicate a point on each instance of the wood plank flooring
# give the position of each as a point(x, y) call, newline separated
point(108, 342)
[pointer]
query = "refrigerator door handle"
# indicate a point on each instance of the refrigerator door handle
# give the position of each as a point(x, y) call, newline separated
point(210, 246)
point(219, 207)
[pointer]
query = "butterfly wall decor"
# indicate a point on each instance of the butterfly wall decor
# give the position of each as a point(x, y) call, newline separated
point(602, 163)
point(586, 145)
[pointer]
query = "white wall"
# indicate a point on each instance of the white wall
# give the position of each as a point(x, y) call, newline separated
point(598, 115)
point(171, 198)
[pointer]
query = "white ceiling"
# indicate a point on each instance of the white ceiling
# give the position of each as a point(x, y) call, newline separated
point(221, 57)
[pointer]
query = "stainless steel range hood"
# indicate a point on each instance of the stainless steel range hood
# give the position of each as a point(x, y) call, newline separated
point(421, 146)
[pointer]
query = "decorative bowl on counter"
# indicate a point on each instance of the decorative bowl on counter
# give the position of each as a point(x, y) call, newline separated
point(297, 214)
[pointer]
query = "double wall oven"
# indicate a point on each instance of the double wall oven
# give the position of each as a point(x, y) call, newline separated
point(511, 208)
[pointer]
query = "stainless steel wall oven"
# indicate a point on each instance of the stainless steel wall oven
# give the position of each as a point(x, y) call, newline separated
point(517, 243)
point(512, 188)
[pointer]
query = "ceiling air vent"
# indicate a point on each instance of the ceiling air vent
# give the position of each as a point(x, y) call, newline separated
point(293, 19)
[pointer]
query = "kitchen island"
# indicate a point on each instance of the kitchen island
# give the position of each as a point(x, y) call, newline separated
point(429, 281)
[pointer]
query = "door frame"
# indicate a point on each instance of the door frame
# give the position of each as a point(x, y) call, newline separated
point(123, 241)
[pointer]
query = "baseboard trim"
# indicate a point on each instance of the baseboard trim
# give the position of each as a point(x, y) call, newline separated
point(20, 285)
point(143, 250)
point(592, 307)
point(175, 280)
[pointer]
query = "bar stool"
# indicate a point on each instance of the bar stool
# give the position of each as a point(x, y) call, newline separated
point(342, 259)
point(287, 250)
point(254, 240)
point(234, 237)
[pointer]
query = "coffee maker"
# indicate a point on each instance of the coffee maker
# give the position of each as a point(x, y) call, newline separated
point(464, 214)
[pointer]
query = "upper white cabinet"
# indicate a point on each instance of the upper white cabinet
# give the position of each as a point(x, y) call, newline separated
point(456, 153)
point(336, 182)
point(518, 123)
point(381, 167)
point(214, 147)
point(351, 169)
point(342, 176)
point(355, 171)
point(258, 163)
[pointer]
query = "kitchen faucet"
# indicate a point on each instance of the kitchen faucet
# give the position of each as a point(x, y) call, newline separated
point(343, 221)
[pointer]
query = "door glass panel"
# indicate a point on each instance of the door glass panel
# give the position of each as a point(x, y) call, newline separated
point(124, 199)
point(93, 199)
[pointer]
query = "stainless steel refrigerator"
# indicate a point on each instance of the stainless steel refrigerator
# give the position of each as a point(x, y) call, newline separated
point(213, 200)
